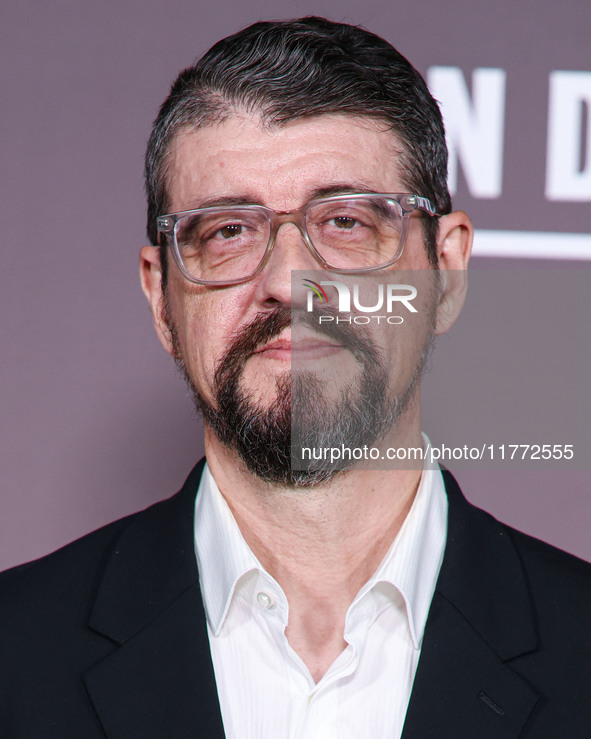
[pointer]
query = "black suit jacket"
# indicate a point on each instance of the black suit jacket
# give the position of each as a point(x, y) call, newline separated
point(107, 636)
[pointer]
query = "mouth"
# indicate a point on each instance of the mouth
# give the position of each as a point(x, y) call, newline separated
point(307, 347)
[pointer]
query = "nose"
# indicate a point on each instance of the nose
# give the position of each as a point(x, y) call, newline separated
point(290, 252)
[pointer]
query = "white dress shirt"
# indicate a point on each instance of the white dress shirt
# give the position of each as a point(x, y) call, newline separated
point(265, 689)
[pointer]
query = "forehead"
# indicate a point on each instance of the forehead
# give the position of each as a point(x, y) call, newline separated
point(281, 166)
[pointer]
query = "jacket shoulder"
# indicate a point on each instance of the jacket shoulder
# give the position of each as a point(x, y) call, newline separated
point(67, 576)
point(554, 575)
point(61, 615)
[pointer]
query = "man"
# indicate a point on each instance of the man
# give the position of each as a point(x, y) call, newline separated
point(267, 598)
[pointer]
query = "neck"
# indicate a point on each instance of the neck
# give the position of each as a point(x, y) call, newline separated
point(331, 523)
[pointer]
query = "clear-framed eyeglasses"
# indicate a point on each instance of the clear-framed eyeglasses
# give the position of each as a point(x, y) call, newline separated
point(228, 245)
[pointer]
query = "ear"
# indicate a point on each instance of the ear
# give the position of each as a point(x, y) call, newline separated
point(151, 281)
point(454, 246)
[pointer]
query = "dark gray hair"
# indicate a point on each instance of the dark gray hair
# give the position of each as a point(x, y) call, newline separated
point(285, 70)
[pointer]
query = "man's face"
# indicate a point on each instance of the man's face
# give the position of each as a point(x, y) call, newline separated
point(281, 168)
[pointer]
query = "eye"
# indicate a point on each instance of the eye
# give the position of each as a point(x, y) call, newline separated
point(345, 222)
point(231, 230)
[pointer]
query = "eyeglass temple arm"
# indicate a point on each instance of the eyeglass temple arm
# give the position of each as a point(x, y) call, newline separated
point(417, 201)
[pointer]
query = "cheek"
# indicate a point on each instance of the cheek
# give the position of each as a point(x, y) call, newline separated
point(407, 338)
point(205, 325)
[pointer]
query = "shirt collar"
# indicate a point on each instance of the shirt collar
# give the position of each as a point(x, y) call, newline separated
point(411, 565)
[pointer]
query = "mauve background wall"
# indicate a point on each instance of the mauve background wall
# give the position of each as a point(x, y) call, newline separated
point(95, 422)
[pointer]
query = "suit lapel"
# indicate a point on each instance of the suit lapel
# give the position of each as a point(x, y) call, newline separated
point(480, 619)
point(159, 680)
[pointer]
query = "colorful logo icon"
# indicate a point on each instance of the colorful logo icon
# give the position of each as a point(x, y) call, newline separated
point(318, 289)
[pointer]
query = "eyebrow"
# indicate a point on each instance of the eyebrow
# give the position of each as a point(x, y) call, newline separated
point(221, 202)
point(340, 188)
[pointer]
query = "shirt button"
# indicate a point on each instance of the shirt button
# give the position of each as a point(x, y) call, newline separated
point(265, 600)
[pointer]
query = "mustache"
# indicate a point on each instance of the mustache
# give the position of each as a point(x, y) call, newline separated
point(264, 327)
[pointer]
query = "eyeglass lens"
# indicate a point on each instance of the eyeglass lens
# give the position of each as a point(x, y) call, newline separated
point(229, 244)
